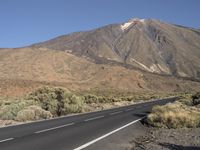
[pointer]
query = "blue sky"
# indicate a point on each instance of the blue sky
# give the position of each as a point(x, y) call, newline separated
point(23, 22)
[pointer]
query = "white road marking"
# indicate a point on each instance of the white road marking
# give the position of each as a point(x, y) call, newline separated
point(115, 113)
point(93, 118)
point(129, 109)
point(103, 136)
point(9, 139)
point(62, 126)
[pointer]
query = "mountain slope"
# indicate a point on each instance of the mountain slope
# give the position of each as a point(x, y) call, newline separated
point(150, 45)
point(24, 69)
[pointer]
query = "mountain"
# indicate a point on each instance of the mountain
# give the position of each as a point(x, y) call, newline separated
point(145, 44)
point(139, 55)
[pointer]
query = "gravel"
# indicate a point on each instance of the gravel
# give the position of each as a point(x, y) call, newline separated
point(168, 139)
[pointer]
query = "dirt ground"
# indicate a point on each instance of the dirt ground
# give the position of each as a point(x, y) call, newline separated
point(4, 123)
point(167, 139)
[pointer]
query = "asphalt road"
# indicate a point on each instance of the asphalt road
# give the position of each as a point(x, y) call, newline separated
point(73, 132)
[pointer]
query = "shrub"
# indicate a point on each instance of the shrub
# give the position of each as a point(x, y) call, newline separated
point(58, 101)
point(175, 115)
point(42, 104)
point(9, 112)
point(89, 99)
point(32, 113)
point(73, 104)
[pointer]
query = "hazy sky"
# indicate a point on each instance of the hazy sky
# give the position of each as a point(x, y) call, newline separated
point(23, 22)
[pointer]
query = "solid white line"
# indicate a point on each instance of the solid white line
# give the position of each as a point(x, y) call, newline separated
point(101, 137)
point(93, 118)
point(115, 113)
point(6, 140)
point(45, 130)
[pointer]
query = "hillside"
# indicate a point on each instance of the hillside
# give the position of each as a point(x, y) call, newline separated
point(150, 45)
point(25, 69)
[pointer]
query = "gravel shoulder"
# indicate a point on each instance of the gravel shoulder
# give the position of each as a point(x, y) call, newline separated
point(167, 139)
point(141, 137)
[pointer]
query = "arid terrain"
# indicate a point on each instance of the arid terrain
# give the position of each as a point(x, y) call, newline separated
point(25, 69)
point(115, 65)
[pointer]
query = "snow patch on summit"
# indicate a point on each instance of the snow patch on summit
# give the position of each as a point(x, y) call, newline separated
point(130, 22)
point(126, 25)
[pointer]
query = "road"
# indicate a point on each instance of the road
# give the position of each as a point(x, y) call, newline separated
point(73, 132)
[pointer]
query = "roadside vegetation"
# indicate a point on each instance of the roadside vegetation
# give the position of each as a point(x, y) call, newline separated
point(184, 113)
point(44, 103)
point(111, 95)
point(48, 102)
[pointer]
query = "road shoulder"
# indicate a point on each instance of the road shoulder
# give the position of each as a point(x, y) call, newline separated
point(120, 140)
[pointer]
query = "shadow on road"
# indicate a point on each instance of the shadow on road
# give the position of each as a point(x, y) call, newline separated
point(139, 115)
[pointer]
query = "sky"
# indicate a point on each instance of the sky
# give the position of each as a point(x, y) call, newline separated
point(24, 22)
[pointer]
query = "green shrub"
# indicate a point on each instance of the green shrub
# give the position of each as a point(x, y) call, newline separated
point(73, 104)
point(32, 113)
point(58, 101)
point(9, 112)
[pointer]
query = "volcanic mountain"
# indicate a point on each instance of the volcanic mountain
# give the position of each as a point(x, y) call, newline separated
point(147, 44)
point(139, 55)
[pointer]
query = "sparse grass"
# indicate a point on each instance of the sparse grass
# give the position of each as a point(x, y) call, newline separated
point(176, 115)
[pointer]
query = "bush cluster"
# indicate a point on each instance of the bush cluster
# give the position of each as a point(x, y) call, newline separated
point(58, 101)
point(44, 103)
point(9, 111)
point(176, 115)
point(32, 113)
point(47, 102)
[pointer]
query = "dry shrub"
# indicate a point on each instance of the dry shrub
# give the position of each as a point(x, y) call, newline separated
point(174, 115)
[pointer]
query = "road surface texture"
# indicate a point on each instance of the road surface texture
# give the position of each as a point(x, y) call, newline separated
point(74, 132)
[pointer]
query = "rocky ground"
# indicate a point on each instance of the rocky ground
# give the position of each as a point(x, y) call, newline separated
point(167, 139)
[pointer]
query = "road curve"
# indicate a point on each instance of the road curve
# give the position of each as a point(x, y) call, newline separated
point(73, 132)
